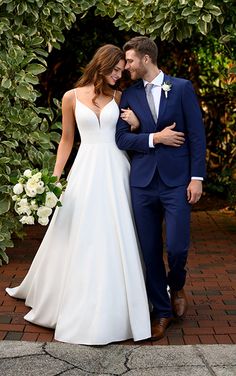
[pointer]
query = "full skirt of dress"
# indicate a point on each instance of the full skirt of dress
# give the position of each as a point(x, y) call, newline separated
point(86, 280)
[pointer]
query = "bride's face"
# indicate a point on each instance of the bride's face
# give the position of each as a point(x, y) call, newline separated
point(116, 73)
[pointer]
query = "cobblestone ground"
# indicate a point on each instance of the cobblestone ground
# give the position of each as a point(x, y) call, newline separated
point(211, 286)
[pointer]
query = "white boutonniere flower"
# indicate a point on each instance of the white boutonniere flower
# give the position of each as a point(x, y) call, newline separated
point(166, 86)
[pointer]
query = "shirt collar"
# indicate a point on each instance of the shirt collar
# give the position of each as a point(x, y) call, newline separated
point(157, 81)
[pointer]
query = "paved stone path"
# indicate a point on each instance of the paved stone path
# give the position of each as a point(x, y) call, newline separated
point(54, 359)
point(211, 286)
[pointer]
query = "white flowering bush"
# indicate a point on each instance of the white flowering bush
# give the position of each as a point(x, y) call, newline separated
point(35, 195)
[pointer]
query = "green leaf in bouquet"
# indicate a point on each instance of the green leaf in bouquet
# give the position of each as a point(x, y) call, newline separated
point(57, 191)
point(53, 179)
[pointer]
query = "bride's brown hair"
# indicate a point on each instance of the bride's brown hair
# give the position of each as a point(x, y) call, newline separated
point(102, 64)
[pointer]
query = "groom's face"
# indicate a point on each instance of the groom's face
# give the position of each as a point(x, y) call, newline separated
point(135, 64)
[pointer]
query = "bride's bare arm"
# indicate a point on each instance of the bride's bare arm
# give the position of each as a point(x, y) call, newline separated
point(68, 131)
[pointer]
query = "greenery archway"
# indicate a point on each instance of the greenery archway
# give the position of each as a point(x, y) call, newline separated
point(30, 29)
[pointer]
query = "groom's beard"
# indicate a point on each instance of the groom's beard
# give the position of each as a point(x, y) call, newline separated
point(138, 72)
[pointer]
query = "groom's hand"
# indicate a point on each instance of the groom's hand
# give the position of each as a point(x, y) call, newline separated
point(169, 137)
point(194, 191)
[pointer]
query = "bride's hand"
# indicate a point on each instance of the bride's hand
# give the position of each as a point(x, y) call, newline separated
point(130, 117)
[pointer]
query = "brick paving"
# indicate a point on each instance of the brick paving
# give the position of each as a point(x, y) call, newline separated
point(211, 286)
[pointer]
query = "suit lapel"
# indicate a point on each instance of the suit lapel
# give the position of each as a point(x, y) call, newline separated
point(163, 102)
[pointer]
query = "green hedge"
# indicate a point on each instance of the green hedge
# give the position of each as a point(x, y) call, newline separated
point(30, 29)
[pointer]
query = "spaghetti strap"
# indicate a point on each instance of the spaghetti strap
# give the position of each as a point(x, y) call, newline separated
point(75, 93)
point(114, 95)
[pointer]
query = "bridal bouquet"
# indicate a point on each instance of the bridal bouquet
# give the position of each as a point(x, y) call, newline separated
point(35, 195)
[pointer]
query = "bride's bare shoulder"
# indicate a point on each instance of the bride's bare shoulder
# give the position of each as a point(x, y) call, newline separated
point(69, 95)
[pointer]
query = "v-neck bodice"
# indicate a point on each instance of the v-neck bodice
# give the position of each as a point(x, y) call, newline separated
point(94, 128)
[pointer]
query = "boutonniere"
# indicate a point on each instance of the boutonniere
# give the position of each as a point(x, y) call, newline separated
point(166, 86)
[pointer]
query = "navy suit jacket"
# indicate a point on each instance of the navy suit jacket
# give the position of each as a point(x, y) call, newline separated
point(176, 165)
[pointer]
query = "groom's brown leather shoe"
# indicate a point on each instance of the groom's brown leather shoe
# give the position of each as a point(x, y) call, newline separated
point(179, 303)
point(159, 327)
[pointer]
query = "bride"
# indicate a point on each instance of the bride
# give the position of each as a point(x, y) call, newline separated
point(86, 280)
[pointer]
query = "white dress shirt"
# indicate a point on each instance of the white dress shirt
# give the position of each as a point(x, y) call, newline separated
point(156, 92)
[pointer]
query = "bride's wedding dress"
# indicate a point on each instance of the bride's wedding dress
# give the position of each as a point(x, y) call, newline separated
point(86, 280)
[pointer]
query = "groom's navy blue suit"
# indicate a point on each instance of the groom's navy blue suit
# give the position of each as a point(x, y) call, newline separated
point(159, 178)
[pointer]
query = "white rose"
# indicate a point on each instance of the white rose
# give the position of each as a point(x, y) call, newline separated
point(44, 211)
point(27, 219)
point(166, 87)
point(23, 209)
point(41, 183)
point(31, 184)
point(36, 177)
point(18, 188)
point(40, 187)
point(16, 208)
point(15, 198)
point(40, 190)
point(30, 192)
point(33, 205)
point(43, 221)
point(27, 173)
point(33, 187)
point(51, 200)
point(23, 201)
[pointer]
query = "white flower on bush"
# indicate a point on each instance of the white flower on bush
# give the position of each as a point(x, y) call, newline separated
point(18, 188)
point(15, 198)
point(51, 200)
point(43, 221)
point(27, 220)
point(27, 173)
point(44, 211)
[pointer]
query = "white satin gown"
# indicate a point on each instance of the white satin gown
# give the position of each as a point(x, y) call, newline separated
point(86, 280)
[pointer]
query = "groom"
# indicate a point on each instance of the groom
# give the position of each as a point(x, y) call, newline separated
point(167, 169)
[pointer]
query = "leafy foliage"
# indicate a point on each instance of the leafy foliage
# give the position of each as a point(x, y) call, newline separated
point(28, 29)
point(207, 63)
point(173, 19)
point(31, 29)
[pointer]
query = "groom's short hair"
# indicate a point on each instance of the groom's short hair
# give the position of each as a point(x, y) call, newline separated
point(143, 46)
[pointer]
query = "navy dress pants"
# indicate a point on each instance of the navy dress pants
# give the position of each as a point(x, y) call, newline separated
point(151, 205)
